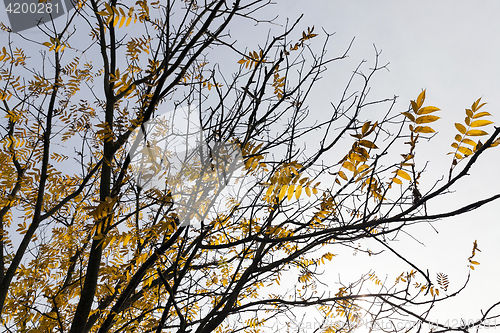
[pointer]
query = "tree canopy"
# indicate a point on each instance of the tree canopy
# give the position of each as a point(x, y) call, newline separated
point(160, 176)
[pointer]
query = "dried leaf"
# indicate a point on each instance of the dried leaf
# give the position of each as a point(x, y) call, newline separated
point(460, 128)
point(298, 191)
point(421, 99)
point(464, 150)
point(282, 192)
point(414, 106)
point(409, 116)
point(469, 142)
point(403, 174)
point(362, 167)
point(481, 114)
point(308, 190)
point(428, 109)
point(349, 166)
point(368, 144)
point(365, 128)
point(341, 174)
point(476, 133)
point(269, 190)
point(423, 129)
point(426, 119)
point(291, 188)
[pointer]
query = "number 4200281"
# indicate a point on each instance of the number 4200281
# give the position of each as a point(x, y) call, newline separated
point(38, 8)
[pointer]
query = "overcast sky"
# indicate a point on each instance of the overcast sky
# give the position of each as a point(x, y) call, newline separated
point(452, 49)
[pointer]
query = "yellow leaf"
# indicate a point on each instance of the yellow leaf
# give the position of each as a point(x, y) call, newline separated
point(476, 133)
point(460, 128)
point(341, 174)
point(474, 262)
point(458, 137)
point(127, 239)
point(481, 114)
point(414, 106)
point(98, 237)
point(356, 157)
point(361, 151)
point(464, 150)
point(426, 119)
point(349, 166)
point(454, 145)
point(308, 190)
point(421, 99)
point(368, 144)
point(362, 167)
point(282, 192)
point(290, 192)
point(479, 123)
point(409, 116)
point(298, 191)
point(469, 142)
point(480, 106)
point(423, 129)
point(365, 128)
point(428, 109)
point(269, 190)
point(397, 181)
point(474, 106)
point(403, 174)
point(108, 8)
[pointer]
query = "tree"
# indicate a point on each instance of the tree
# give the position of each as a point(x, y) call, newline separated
point(128, 232)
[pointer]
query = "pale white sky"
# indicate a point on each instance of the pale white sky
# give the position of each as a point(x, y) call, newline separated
point(450, 48)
